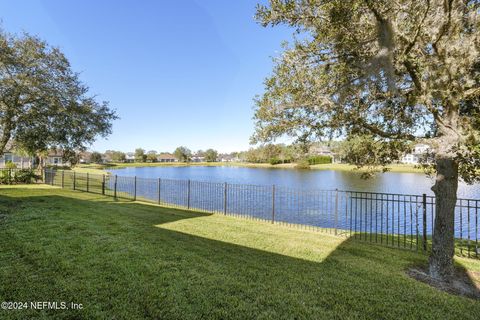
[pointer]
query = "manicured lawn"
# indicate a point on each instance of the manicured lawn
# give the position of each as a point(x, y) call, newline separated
point(125, 260)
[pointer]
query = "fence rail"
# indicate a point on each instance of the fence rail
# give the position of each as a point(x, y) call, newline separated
point(400, 220)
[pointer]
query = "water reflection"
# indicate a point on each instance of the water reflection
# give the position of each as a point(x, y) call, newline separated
point(391, 182)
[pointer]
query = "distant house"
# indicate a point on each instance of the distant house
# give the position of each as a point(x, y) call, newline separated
point(320, 150)
point(198, 159)
point(419, 151)
point(55, 158)
point(130, 157)
point(166, 157)
point(228, 158)
point(20, 161)
point(84, 157)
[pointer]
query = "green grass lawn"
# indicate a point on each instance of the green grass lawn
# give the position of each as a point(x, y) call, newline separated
point(127, 260)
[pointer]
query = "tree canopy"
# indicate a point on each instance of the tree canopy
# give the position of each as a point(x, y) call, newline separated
point(183, 154)
point(43, 103)
point(387, 70)
point(211, 155)
point(140, 155)
point(96, 157)
point(393, 70)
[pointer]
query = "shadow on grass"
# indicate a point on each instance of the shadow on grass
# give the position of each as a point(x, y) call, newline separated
point(124, 260)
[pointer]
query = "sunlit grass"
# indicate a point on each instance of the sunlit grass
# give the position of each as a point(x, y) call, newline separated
point(127, 260)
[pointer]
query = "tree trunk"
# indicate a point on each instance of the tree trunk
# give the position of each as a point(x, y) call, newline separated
point(445, 189)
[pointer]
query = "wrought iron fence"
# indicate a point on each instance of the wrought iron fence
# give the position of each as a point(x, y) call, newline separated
point(400, 220)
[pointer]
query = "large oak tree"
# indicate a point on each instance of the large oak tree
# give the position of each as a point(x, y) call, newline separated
point(396, 71)
point(43, 104)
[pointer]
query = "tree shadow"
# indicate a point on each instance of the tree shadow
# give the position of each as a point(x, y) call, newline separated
point(153, 263)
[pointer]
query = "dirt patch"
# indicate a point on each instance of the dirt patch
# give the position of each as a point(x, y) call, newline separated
point(463, 283)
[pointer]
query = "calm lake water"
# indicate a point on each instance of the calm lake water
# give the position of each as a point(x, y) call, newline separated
point(390, 182)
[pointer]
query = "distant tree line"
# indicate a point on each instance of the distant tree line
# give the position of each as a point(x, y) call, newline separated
point(268, 153)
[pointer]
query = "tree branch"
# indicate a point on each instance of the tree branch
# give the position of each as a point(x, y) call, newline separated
point(414, 40)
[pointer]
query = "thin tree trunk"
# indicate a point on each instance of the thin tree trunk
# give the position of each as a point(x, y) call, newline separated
point(445, 189)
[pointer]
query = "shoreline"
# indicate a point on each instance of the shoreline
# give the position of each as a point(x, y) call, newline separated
point(102, 169)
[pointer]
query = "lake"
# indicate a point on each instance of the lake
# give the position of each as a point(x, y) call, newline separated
point(390, 182)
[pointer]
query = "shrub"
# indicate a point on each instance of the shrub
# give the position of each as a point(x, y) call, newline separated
point(10, 165)
point(274, 161)
point(8, 176)
point(303, 164)
point(25, 176)
point(5, 177)
point(319, 160)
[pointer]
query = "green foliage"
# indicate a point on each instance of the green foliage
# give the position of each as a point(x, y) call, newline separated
point(303, 164)
point(6, 176)
point(140, 155)
point(10, 165)
point(26, 176)
point(183, 154)
point(264, 153)
point(312, 160)
point(371, 68)
point(118, 156)
point(12, 176)
point(369, 151)
point(43, 103)
point(274, 161)
point(96, 157)
point(211, 155)
point(151, 156)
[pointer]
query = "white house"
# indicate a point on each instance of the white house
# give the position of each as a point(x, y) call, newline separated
point(21, 162)
point(198, 159)
point(228, 158)
point(130, 157)
point(55, 158)
point(419, 151)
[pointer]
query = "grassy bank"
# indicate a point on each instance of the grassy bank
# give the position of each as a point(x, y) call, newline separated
point(404, 168)
point(129, 260)
point(331, 166)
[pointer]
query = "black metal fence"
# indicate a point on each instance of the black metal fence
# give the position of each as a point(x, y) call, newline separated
point(399, 220)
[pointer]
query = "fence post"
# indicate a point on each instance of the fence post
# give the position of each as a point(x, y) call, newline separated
point(63, 178)
point(88, 182)
point(115, 188)
point(225, 198)
point(336, 211)
point(188, 195)
point(135, 188)
point(159, 190)
point(424, 222)
point(103, 185)
point(273, 203)
point(74, 180)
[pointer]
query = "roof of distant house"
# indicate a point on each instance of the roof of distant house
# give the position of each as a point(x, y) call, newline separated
point(166, 156)
point(55, 153)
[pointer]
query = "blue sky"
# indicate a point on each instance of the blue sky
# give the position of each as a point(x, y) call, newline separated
point(180, 72)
